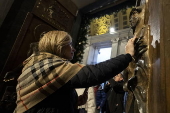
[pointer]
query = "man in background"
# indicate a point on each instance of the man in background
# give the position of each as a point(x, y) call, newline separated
point(115, 95)
point(101, 99)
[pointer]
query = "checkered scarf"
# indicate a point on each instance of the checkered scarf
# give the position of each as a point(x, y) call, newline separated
point(42, 75)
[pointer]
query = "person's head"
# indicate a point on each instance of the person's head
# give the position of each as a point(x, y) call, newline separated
point(58, 43)
point(33, 49)
point(134, 17)
point(118, 77)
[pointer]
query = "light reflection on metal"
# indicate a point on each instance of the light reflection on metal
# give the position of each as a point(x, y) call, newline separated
point(136, 76)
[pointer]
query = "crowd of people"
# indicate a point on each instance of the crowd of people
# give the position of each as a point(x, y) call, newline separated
point(108, 97)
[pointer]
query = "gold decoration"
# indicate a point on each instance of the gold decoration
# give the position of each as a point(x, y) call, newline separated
point(118, 20)
point(102, 24)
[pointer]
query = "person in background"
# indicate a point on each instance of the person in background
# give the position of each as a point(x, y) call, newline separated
point(115, 94)
point(100, 99)
point(48, 80)
point(90, 105)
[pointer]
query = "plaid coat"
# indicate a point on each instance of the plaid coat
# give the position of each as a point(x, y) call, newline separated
point(42, 75)
point(63, 99)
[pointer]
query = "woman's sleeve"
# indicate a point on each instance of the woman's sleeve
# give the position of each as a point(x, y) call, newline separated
point(91, 75)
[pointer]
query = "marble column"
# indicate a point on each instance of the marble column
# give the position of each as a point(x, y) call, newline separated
point(115, 45)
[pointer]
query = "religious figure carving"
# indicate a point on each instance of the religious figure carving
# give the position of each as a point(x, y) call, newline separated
point(54, 13)
point(136, 74)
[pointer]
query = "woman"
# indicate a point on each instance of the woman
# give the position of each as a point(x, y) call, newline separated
point(48, 80)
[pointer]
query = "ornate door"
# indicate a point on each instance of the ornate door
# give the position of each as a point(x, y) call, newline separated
point(46, 15)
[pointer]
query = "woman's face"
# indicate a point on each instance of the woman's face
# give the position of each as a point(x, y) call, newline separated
point(68, 51)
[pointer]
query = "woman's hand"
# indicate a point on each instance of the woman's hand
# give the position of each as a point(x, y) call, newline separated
point(129, 48)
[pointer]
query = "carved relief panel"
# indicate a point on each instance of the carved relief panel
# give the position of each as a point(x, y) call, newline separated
point(54, 13)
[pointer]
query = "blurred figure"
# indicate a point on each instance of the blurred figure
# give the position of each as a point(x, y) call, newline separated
point(90, 105)
point(115, 95)
point(100, 99)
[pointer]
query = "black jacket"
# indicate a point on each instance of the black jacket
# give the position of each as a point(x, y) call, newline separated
point(115, 97)
point(64, 99)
